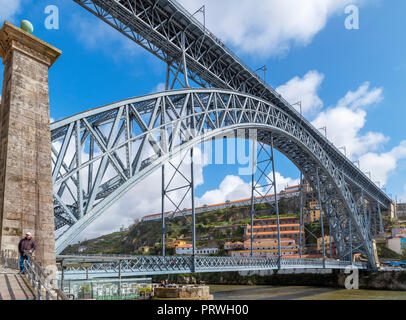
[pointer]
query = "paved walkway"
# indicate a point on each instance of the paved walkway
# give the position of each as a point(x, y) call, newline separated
point(13, 286)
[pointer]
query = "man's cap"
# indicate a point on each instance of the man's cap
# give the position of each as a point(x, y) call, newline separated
point(28, 233)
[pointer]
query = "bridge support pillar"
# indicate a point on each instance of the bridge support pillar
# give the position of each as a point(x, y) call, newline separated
point(26, 200)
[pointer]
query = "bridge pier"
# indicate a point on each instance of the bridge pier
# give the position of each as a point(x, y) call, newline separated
point(26, 198)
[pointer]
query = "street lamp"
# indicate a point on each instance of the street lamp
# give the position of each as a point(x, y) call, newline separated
point(203, 11)
point(343, 148)
point(325, 130)
point(265, 69)
point(299, 103)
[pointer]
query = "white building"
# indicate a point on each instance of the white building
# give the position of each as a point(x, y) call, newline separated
point(81, 249)
point(188, 250)
point(397, 244)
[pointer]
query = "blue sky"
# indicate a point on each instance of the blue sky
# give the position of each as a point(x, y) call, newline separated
point(352, 81)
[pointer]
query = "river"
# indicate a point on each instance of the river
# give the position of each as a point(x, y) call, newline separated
point(245, 292)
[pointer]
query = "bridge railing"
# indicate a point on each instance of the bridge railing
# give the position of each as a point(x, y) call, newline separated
point(204, 263)
point(113, 266)
point(42, 282)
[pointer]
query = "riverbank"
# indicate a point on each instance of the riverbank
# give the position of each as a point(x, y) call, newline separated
point(395, 280)
point(261, 292)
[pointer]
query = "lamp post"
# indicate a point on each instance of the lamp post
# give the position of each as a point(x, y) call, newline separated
point(299, 103)
point(325, 130)
point(264, 69)
point(345, 150)
point(203, 11)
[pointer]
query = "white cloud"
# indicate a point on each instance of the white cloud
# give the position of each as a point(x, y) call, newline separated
point(160, 87)
point(362, 97)
point(267, 27)
point(381, 165)
point(231, 188)
point(234, 188)
point(9, 8)
point(304, 90)
point(345, 121)
point(283, 182)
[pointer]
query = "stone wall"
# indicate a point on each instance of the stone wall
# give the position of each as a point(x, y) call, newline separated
point(184, 293)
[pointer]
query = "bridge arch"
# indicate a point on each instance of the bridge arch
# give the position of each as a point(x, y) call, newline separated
point(100, 154)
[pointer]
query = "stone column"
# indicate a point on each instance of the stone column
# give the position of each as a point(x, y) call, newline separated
point(26, 200)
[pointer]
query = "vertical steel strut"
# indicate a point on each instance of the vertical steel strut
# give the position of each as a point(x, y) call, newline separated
point(321, 218)
point(276, 204)
point(253, 195)
point(301, 215)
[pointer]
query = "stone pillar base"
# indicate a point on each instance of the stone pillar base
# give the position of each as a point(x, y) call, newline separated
point(184, 293)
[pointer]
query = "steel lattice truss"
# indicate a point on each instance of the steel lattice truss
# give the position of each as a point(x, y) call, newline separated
point(76, 267)
point(170, 32)
point(100, 154)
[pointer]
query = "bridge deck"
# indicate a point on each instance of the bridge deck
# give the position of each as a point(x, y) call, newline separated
point(87, 267)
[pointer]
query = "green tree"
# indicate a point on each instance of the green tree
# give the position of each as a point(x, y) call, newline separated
point(239, 232)
point(260, 206)
point(403, 254)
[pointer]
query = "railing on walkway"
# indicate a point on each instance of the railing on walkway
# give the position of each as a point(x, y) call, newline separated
point(44, 284)
point(86, 267)
point(41, 282)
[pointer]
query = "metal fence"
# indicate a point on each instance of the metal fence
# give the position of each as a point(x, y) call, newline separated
point(87, 267)
point(43, 283)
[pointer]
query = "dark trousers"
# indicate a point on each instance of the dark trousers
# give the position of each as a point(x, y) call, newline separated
point(22, 258)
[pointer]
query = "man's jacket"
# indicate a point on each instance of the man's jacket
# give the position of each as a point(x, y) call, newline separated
point(26, 244)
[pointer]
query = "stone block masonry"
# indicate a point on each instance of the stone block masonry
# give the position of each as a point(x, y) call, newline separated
point(26, 201)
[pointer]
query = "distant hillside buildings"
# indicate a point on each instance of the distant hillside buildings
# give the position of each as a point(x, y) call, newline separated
point(288, 192)
point(265, 238)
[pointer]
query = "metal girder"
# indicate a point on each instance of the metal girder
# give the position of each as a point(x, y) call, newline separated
point(170, 32)
point(263, 183)
point(103, 144)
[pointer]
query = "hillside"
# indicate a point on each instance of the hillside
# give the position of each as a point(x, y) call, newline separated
point(212, 228)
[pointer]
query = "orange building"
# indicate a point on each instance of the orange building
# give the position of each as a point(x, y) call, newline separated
point(313, 213)
point(265, 234)
point(267, 228)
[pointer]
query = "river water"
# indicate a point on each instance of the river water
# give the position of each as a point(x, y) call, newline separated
point(245, 292)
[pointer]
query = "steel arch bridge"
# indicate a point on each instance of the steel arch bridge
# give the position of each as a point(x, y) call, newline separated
point(100, 154)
